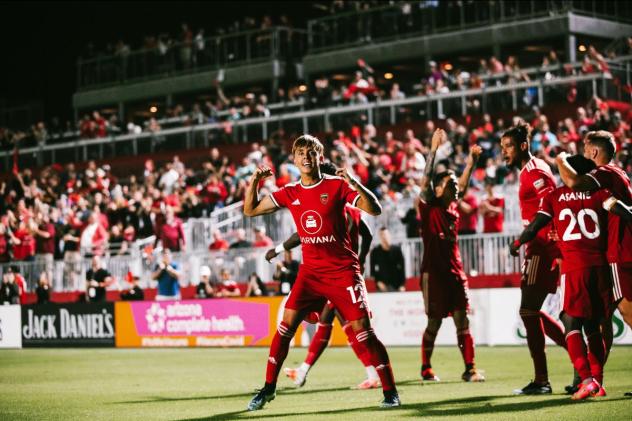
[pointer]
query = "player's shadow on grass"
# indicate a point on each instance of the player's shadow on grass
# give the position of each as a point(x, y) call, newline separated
point(283, 391)
point(433, 408)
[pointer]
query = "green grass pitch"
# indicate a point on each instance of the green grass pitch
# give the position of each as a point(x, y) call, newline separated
point(208, 384)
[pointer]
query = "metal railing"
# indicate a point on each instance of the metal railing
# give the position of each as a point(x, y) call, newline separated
point(514, 97)
point(415, 18)
point(482, 254)
point(170, 59)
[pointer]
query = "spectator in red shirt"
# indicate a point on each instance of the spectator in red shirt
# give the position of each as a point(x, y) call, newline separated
point(45, 242)
point(94, 236)
point(493, 209)
point(215, 192)
point(100, 125)
point(19, 281)
point(172, 232)
point(218, 243)
point(261, 239)
point(23, 242)
point(468, 210)
point(227, 286)
point(4, 244)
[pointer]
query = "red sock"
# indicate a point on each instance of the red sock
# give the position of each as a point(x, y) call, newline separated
point(358, 348)
point(535, 340)
point(577, 352)
point(427, 346)
point(553, 329)
point(466, 345)
point(278, 351)
point(318, 344)
point(596, 356)
point(379, 357)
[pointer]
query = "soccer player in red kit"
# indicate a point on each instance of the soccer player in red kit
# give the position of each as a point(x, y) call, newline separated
point(600, 147)
point(540, 274)
point(443, 281)
point(585, 283)
point(330, 268)
point(358, 229)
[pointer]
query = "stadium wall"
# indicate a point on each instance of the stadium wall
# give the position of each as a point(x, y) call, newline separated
point(398, 319)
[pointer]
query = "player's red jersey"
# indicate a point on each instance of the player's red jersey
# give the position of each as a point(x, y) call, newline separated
point(581, 222)
point(439, 233)
point(319, 214)
point(617, 182)
point(536, 180)
point(355, 216)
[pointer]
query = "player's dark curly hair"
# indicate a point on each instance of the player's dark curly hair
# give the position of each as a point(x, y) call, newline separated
point(520, 133)
point(581, 164)
point(436, 180)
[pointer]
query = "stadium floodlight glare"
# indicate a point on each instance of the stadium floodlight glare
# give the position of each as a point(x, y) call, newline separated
point(302, 88)
point(581, 48)
point(153, 109)
point(447, 66)
point(388, 76)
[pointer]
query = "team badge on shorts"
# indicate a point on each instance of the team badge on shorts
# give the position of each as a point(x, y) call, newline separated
point(324, 198)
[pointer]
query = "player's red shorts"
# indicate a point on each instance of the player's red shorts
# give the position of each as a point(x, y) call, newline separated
point(621, 280)
point(537, 273)
point(586, 293)
point(346, 291)
point(443, 295)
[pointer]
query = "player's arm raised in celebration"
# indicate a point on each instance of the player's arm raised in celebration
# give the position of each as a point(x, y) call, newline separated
point(438, 137)
point(618, 208)
point(470, 163)
point(579, 182)
point(540, 221)
point(252, 205)
point(367, 201)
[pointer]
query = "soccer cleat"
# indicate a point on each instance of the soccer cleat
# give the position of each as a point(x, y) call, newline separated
point(586, 390)
point(628, 394)
point(391, 400)
point(298, 376)
point(534, 388)
point(574, 387)
point(369, 384)
point(428, 375)
point(473, 375)
point(260, 399)
point(601, 393)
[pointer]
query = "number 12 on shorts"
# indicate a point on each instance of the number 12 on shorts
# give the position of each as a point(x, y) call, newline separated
point(352, 291)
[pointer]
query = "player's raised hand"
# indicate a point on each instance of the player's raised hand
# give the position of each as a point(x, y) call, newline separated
point(475, 154)
point(561, 158)
point(514, 249)
point(271, 254)
point(342, 172)
point(263, 171)
point(438, 137)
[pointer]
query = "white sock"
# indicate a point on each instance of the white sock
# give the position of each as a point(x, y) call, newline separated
point(371, 373)
point(305, 367)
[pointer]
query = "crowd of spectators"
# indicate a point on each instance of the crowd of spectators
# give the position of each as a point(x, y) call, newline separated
point(364, 86)
point(65, 213)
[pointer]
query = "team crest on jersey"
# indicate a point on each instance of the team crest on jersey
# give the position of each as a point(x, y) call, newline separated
point(324, 198)
point(311, 221)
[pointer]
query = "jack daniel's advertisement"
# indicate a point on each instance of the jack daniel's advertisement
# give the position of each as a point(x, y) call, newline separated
point(82, 324)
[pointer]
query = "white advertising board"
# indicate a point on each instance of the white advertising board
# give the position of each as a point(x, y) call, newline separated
point(400, 318)
point(10, 324)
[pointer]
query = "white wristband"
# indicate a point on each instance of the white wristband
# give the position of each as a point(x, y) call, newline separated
point(279, 249)
point(609, 203)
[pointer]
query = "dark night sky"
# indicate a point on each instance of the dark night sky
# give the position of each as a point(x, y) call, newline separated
point(40, 41)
